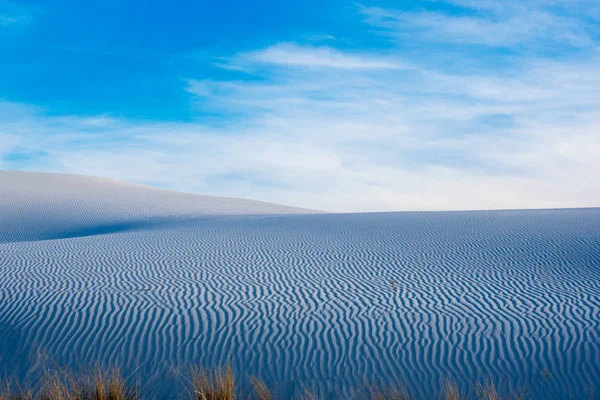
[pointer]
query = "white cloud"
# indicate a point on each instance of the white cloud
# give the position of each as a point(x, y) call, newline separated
point(490, 23)
point(364, 131)
point(12, 14)
point(293, 55)
point(364, 146)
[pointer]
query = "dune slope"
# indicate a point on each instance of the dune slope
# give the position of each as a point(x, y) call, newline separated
point(36, 206)
point(96, 270)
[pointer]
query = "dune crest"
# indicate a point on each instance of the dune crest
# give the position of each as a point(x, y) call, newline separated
point(39, 206)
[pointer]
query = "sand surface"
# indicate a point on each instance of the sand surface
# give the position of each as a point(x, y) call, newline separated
point(99, 270)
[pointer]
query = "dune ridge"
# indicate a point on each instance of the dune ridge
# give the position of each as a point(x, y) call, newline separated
point(41, 206)
point(322, 300)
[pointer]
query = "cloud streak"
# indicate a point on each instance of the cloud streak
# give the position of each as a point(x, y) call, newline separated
point(491, 23)
point(293, 55)
point(365, 130)
point(13, 15)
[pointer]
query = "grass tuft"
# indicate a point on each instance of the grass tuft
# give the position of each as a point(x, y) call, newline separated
point(451, 391)
point(261, 390)
point(309, 394)
point(489, 391)
point(218, 384)
point(63, 385)
point(8, 392)
point(110, 386)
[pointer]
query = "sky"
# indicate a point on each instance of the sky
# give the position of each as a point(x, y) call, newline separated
point(332, 105)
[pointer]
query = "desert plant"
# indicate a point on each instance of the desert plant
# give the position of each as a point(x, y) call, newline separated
point(487, 390)
point(8, 392)
point(218, 384)
point(450, 390)
point(96, 385)
point(308, 394)
point(261, 390)
point(110, 386)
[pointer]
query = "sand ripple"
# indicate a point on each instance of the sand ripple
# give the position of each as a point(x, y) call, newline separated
point(309, 299)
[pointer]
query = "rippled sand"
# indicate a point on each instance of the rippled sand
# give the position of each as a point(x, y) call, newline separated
point(98, 270)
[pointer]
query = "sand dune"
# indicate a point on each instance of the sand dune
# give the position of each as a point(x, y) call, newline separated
point(93, 269)
point(37, 206)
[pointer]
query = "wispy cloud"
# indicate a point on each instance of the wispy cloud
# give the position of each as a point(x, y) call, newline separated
point(491, 23)
point(362, 146)
point(293, 55)
point(365, 130)
point(13, 15)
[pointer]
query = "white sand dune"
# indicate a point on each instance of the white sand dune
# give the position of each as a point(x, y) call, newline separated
point(97, 270)
point(38, 205)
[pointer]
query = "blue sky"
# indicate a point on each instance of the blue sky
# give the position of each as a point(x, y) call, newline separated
point(340, 106)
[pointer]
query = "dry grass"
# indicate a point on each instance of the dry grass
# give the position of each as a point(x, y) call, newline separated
point(110, 386)
point(261, 390)
point(8, 392)
point(489, 391)
point(309, 394)
point(218, 384)
point(451, 391)
point(64, 385)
